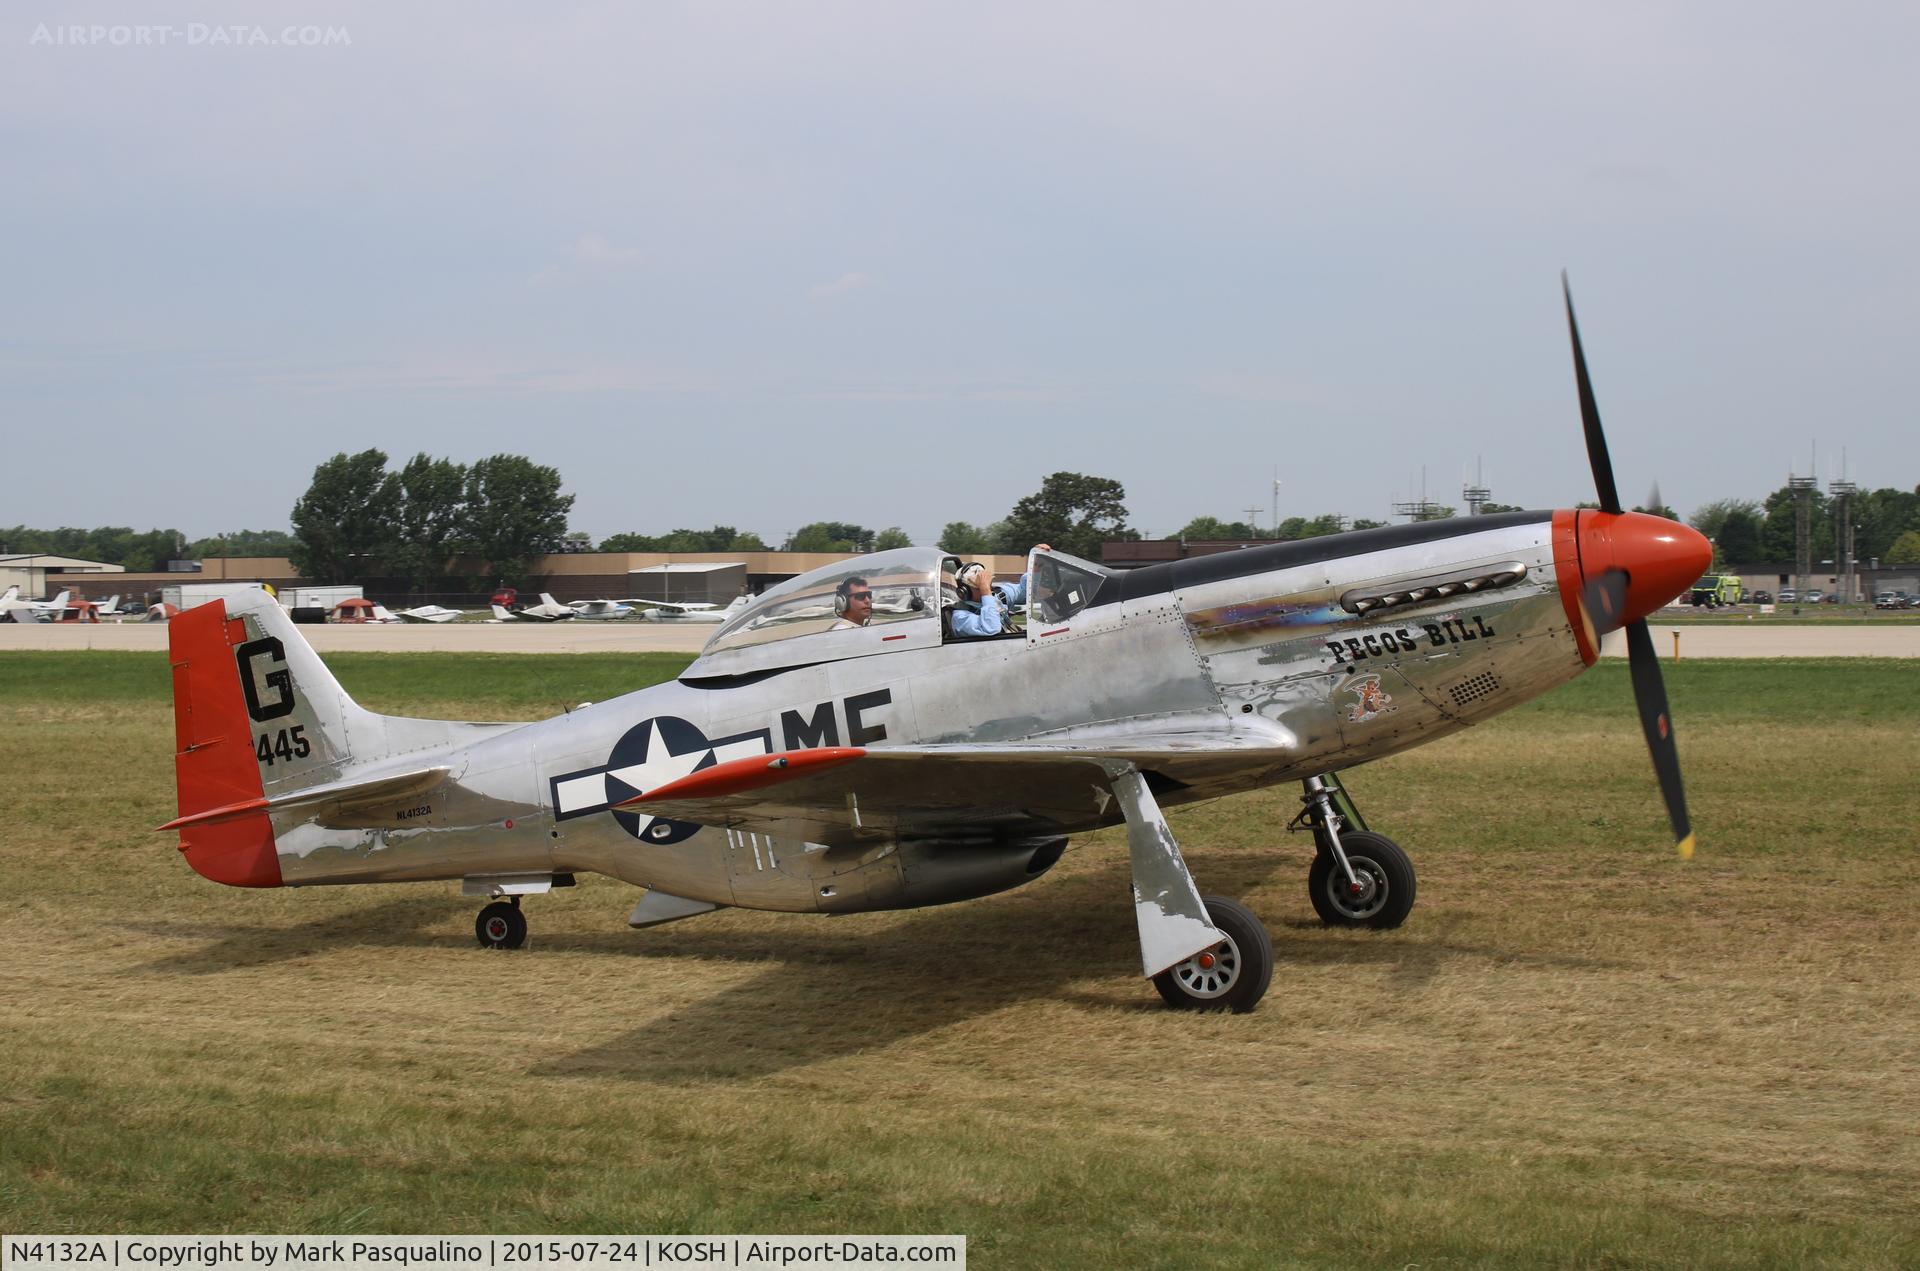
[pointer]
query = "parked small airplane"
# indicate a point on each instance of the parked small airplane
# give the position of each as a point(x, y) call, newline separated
point(80, 609)
point(13, 608)
point(548, 610)
point(688, 611)
point(601, 610)
point(428, 613)
point(816, 764)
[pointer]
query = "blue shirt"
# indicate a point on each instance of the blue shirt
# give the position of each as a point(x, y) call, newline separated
point(988, 619)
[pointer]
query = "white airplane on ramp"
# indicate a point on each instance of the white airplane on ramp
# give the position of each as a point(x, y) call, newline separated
point(428, 613)
point(690, 611)
point(13, 608)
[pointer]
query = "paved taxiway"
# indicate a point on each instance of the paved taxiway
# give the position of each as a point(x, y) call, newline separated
point(1888, 640)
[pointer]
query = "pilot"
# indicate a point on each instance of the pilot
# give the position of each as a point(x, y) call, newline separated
point(983, 607)
point(853, 601)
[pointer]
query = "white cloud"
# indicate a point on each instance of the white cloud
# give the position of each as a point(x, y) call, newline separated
point(842, 285)
point(590, 254)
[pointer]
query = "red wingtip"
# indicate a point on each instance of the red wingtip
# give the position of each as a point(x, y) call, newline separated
point(751, 773)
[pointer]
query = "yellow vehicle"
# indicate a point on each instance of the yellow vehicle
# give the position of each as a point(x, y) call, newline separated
point(1715, 590)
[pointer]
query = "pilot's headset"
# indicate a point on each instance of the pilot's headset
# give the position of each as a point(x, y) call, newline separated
point(842, 597)
point(964, 576)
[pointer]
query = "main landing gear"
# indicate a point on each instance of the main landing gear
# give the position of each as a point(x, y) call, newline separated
point(1358, 878)
point(1202, 953)
point(501, 925)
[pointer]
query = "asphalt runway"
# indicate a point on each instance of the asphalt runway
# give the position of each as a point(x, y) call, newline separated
point(1884, 640)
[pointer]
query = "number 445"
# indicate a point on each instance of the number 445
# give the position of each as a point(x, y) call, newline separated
point(286, 745)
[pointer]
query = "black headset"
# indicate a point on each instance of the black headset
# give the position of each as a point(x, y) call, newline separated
point(960, 579)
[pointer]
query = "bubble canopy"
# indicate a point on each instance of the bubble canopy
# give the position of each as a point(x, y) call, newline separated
point(797, 623)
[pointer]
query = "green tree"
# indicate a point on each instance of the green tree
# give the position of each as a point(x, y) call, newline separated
point(346, 515)
point(1777, 532)
point(1489, 509)
point(1904, 550)
point(964, 539)
point(1883, 515)
point(830, 536)
point(429, 521)
point(1738, 540)
point(1709, 517)
point(514, 512)
point(1362, 523)
point(630, 543)
point(243, 543)
point(1072, 512)
point(891, 537)
point(1296, 527)
point(1213, 529)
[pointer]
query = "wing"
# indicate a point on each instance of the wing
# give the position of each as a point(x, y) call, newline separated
point(845, 794)
point(670, 606)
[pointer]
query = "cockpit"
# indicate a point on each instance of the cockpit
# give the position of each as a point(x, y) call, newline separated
point(882, 603)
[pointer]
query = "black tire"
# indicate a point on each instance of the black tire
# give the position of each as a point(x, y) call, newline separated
point(1385, 872)
point(1232, 976)
point(501, 926)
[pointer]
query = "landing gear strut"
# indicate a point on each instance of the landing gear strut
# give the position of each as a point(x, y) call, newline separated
point(501, 925)
point(1202, 953)
point(1358, 878)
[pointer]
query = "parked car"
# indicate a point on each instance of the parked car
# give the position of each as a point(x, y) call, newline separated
point(1892, 600)
point(1813, 597)
point(1789, 596)
point(1762, 597)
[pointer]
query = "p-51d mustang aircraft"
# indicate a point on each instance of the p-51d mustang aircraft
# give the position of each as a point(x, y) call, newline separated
point(805, 763)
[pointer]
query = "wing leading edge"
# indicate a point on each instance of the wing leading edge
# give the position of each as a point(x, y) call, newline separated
point(845, 794)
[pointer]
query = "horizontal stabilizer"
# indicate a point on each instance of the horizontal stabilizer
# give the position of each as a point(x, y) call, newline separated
point(344, 802)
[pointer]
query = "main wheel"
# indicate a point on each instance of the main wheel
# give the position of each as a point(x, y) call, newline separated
point(1232, 975)
point(1385, 873)
point(501, 926)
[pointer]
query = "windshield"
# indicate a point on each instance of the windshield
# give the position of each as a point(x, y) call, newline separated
point(1061, 586)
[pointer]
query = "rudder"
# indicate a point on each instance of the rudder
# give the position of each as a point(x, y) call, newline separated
point(255, 713)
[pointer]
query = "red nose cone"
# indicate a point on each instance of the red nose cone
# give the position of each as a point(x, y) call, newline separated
point(1660, 558)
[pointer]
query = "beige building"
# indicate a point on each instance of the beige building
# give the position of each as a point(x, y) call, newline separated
point(567, 576)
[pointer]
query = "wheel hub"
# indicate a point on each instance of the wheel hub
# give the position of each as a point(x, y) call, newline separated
point(1210, 973)
point(1363, 897)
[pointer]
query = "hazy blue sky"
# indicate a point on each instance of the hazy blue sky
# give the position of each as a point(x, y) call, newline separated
point(893, 263)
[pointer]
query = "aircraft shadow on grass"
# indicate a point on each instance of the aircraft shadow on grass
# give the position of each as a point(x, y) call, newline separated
point(829, 988)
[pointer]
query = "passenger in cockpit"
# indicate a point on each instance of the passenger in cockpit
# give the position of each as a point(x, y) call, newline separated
point(983, 607)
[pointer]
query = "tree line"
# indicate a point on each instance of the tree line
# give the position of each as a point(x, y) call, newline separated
point(439, 521)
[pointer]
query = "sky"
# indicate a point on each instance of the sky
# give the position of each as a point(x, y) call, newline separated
point(893, 263)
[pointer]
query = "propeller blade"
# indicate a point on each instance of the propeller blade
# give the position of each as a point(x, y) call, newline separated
point(1603, 604)
point(1590, 414)
point(1654, 502)
point(1650, 695)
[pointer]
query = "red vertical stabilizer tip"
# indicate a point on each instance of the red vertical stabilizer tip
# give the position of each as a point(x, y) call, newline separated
point(214, 764)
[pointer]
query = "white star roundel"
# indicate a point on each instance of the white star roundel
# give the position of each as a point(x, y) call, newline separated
point(649, 755)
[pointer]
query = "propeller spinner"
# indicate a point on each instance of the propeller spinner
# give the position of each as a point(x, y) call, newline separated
point(1632, 563)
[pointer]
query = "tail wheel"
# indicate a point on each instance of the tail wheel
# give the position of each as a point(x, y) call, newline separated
point(501, 926)
point(1385, 874)
point(1232, 975)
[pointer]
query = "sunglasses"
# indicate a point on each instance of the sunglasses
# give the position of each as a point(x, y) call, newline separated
point(859, 595)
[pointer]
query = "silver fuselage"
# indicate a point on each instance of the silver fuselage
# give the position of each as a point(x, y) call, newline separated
point(1267, 654)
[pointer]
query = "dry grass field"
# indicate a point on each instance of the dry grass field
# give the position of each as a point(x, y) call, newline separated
point(1579, 1050)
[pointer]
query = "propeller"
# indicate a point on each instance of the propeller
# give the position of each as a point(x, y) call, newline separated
point(1603, 608)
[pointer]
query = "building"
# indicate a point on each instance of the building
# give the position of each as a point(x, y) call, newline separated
point(41, 574)
point(566, 576)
